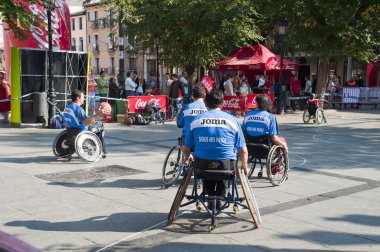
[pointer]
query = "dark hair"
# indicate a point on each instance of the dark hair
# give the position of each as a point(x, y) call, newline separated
point(75, 94)
point(199, 91)
point(312, 96)
point(129, 74)
point(101, 72)
point(263, 103)
point(174, 76)
point(214, 99)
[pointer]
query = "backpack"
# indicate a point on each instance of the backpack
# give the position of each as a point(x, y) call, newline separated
point(57, 122)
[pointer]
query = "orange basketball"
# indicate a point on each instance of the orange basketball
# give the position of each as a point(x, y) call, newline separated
point(107, 107)
point(129, 121)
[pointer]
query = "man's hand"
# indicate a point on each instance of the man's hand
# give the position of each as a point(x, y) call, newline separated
point(187, 159)
point(245, 169)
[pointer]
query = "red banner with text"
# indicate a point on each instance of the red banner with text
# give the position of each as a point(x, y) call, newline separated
point(234, 103)
point(137, 103)
point(251, 100)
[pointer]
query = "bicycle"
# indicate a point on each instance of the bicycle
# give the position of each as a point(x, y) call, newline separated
point(174, 108)
point(173, 165)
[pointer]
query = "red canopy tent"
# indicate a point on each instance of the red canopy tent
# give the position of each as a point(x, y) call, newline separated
point(256, 57)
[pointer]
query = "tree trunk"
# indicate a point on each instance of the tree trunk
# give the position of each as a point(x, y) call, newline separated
point(323, 75)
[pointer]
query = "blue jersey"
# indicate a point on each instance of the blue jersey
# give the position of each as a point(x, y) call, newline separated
point(188, 113)
point(214, 135)
point(74, 115)
point(259, 123)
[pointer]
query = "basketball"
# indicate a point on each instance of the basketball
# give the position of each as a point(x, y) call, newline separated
point(105, 106)
point(129, 121)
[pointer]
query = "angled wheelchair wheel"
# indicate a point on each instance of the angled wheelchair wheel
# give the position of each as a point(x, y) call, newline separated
point(172, 166)
point(277, 165)
point(88, 146)
point(319, 116)
point(61, 147)
point(252, 162)
point(306, 116)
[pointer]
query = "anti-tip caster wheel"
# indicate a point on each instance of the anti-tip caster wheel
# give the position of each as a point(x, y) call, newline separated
point(198, 206)
point(235, 209)
point(211, 228)
point(260, 174)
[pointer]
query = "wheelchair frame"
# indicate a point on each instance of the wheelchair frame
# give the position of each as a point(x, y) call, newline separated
point(231, 198)
point(318, 117)
point(88, 146)
point(276, 161)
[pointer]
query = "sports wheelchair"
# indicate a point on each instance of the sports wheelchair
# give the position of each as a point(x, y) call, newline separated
point(314, 112)
point(88, 144)
point(209, 170)
point(261, 151)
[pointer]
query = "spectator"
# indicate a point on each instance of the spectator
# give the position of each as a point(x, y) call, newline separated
point(91, 92)
point(313, 83)
point(167, 83)
point(176, 92)
point(308, 86)
point(140, 85)
point(102, 83)
point(236, 84)
point(295, 88)
point(5, 93)
point(228, 86)
point(113, 92)
point(130, 85)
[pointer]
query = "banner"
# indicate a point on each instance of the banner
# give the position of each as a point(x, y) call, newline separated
point(350, 95)
point(234, 103)
point(37, 36)
point(251, 100)
point(137, 103)
point(208, 83)
point(374, 95)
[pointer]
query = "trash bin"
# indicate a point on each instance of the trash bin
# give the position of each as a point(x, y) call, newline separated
point(40, 106)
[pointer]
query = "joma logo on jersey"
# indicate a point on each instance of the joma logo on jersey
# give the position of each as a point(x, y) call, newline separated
point(213, 121)
point(256, 118)
point(196, 111)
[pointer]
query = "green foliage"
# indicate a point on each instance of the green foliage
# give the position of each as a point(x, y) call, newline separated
point(190, 32)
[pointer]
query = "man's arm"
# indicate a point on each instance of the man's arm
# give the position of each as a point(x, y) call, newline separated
point(243, 156)
point(186, 152)
point(91, 119)
point(277, 140)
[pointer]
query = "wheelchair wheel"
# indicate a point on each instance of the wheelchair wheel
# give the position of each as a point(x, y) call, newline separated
point(319, 116)
point(171, 168)
point(306, 116)
point(277, 165)
point(88, 146)
point(61, 147)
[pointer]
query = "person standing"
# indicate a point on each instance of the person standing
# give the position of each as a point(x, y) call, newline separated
point(313, 83)
point(91, 92)
point(176, 92)
point(214, 136)
point(295, 88)
point(130, 85)
point(185, 84)
point(102, 83)
point(5, 93)
point(308, 86)
point(114, 92)
point(228, 86)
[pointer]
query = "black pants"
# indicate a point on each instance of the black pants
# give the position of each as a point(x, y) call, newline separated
point(213, 187)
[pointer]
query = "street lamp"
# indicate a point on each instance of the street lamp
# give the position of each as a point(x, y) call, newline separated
point(282, 29)
point(49, 6)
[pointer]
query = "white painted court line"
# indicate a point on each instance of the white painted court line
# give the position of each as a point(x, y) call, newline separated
point(140, 232)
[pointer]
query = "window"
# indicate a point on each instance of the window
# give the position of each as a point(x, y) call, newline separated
point(89, 39)
point(80, 23)
point(95, 15)
point(80, 46)
point(132, 63)
point(96, 66)
point(73, 24)
point(111, 17)
point(88, 16)
point(112, 65)
point(73, 44)
point(111, 42)
point(96, 39)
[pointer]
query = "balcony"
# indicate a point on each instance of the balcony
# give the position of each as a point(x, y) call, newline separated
point(95, 48)
point(95, 24)
point(111, 47)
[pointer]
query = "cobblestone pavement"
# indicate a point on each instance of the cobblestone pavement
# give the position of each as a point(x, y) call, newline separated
point(329, 203)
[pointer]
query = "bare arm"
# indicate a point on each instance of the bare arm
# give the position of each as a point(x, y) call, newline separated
point(91, 119)
point(243, 156)
point(186, 151)
point(277, 140)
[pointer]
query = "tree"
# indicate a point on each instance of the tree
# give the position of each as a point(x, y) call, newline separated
point(16, 16)
point(190, 32)
point(329, 29)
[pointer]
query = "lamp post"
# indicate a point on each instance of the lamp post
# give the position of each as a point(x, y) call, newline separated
point(49, 5)
point(282, 29)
